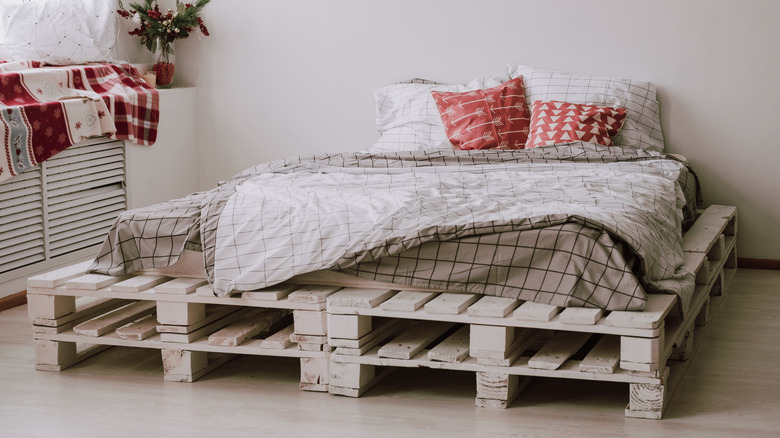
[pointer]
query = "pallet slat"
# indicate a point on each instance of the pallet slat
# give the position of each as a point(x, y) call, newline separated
point(139, 330)
point(603, 358)
point(450, 304)
point(536, 312)
point(580, 315)
point(359, 298)
point(116, 318)
point(253, 324)
point(58, 277)
point(407, 301)
point(180, 286)
point(312, 294)
point(453, 349)
point(554, 353)
point(92, 281)
point(139, 283)
point(412, 341)
point(274, 293)
point(656, 309)
point(497, 307)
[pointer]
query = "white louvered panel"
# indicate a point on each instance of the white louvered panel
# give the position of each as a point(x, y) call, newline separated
point(107, 214)
point(14, 225)
point(24, 181)
point(82, 228)
point(104, 192)
point(63, 172)
point(85, 194)
point(76, 243)
point(13, 212)
point(22, 235)
point(26, 191)
point(17, 259)
point(87, 183)
point(83, 174)
point(86, 149)
point(93, 199)
point(78, 228)
point(81, 214)
point(19, 214)
point(21, 221)
point(92, 156)
point(85, 168)
point(64, 206)
point(8, 203)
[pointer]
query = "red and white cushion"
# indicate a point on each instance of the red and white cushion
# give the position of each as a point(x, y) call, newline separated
point(561, 122)
point(493, 118)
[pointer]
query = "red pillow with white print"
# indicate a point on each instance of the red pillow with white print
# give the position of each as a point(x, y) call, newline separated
point(493, 118)
point(561, 122)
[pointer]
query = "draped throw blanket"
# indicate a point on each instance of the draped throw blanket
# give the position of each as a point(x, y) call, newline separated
point(44, 110)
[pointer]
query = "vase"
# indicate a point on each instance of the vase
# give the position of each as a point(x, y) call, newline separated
point(164, 66)
point(164, 72)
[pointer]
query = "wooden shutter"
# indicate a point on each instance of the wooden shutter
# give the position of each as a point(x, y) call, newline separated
point(84, 190)
point(22, 240)
point(63, 206)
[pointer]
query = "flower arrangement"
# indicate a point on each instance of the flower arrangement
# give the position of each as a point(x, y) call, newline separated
point(158, 30)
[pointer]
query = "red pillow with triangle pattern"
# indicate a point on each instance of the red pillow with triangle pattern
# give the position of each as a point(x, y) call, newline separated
point(493, 118)
point(561, 122)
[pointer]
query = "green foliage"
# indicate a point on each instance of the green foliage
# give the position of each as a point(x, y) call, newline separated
point(158, 30)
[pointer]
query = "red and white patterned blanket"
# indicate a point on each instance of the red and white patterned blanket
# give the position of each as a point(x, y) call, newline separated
point(44, 110)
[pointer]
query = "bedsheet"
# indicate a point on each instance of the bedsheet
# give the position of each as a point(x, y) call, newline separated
point(46, 109)
point(573, 225)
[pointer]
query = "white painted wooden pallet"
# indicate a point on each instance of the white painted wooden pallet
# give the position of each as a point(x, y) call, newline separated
point(195, 331)
point(503, 339)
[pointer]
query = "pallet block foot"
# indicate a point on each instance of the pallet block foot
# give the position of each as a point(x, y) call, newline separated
point(353, 379)
point(498, 391)
point(646, 401)
point(189, 366)
point(57, 356)
point(649, 401)
point(315, 374)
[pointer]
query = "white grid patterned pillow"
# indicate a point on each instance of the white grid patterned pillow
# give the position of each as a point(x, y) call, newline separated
point(642, 126)
point(407, 118)
point(58, 31)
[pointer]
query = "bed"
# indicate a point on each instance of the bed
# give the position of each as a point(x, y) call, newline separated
point(492, 222)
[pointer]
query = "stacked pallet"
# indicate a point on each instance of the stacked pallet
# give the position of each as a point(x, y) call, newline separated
point(348, 339)
point(76, 316)
point(506, 341)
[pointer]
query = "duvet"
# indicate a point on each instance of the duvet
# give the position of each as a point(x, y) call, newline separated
point(571, 225)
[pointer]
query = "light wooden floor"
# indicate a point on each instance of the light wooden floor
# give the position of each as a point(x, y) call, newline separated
point(732, 389)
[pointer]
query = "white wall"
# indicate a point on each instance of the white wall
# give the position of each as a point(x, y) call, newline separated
point(281, 77)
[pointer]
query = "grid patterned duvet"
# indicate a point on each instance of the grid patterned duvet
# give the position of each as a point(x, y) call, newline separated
point(573, 225)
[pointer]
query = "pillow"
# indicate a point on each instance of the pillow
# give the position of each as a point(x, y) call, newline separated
point(58, 31)
point(561, 122)
point(495, 118)
point(407, 118)
point(642, 126)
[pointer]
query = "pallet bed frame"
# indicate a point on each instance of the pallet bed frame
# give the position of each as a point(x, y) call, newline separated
point(349, 338)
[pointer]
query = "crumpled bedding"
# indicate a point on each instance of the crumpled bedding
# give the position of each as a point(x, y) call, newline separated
point(570, 225)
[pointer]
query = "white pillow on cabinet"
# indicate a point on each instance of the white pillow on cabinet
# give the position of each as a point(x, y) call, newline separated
point(58, 31)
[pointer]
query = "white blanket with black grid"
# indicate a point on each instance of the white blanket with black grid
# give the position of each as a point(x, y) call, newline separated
point(575, 225)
